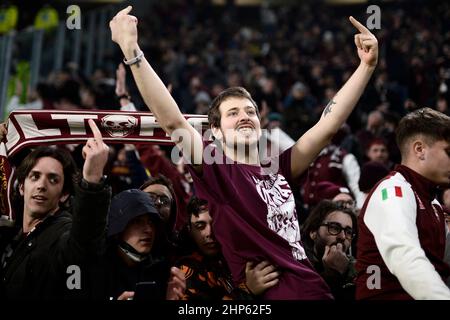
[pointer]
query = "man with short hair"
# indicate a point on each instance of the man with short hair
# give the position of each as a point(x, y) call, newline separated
point(207, 275)
point(401, 226)
point(378, 152)
point(254, 207)
point(37, 263)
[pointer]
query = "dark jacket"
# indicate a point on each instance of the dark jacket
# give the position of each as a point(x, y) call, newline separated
point(36, 266)
point(111, 277)
point(342, 285)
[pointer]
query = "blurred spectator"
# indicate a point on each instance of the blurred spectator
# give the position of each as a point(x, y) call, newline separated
point(326, 190)
point(298, 111)
point(377, 152)
point(202, 101)
point(371, 173)
point(127, 171)
point(335, 165)
point(153, 159)
point(373, 128)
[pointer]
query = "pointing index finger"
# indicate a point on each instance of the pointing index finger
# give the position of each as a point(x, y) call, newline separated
point(125, 11)
point(358, 25)
point(95, 131)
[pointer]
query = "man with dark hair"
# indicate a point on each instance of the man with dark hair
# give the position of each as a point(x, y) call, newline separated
point(327, 235)
point(207, 275)
point(254, 207)
point(52, 241)
point(402, 229)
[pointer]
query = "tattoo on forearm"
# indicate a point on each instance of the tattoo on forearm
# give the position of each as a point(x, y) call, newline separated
point(135, 54)
point(328, 108)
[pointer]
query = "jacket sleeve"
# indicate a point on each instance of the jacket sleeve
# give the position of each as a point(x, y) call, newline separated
point(392, 221)
point(87, 235)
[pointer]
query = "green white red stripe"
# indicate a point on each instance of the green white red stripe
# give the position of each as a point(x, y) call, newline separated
point(391, 192)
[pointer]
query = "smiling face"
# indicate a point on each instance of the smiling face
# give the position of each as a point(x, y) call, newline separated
point(42, 189)
point(239, 123)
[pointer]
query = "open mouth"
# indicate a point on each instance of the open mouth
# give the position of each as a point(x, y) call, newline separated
point(39, 198)
point(246, 129)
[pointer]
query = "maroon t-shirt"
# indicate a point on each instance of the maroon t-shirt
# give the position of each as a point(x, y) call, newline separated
point(254, 219)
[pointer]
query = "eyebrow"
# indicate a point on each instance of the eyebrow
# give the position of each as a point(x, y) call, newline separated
point(246, 108)
point(344, 227)
point(51, 174)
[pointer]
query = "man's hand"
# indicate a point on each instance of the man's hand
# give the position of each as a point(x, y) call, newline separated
point(124, 28)
point(260, 278)
point(126, 295)
point(335, 258)
point(366, 43)
point(95, 152)
point(176, 285)
point(121, 73)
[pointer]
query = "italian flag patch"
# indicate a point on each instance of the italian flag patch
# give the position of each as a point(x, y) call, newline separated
point(391, 192)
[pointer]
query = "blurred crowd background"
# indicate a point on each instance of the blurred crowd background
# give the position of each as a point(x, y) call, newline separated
point(291, 55)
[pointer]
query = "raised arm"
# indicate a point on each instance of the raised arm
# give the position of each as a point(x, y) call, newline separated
point(339, 108)
point(155, 94)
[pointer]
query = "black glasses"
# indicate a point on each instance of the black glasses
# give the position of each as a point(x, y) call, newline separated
point(160, 200)
point(335, 228)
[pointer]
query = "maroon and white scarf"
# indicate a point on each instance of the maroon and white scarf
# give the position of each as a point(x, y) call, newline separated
point(29, 128)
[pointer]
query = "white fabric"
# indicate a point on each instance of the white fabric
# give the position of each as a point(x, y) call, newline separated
point(393, 225)
point(352, 172)
point(14, 104)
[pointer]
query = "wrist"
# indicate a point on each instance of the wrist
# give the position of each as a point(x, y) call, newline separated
point(367, 67)
point(130, 49)
point(93, 178)
point(90, 185)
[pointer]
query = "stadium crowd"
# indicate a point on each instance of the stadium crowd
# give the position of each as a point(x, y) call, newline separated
point(155, 229)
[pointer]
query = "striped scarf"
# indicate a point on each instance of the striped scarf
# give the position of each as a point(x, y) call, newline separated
point(30, 128)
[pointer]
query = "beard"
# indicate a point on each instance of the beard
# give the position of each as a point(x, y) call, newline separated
point(320, 244)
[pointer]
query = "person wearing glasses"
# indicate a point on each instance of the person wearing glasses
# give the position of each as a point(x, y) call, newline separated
point(402, 229)
point(160, 189)
point(327, 235)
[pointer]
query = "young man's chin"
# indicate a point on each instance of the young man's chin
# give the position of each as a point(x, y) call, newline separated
point(39, 214)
